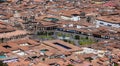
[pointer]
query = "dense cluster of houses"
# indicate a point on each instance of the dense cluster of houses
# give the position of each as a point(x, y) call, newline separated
point(19, 19)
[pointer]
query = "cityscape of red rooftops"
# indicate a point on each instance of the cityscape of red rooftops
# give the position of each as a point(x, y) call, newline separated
point(59, 32)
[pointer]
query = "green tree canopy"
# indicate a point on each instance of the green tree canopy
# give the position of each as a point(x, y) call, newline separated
point(3, 64)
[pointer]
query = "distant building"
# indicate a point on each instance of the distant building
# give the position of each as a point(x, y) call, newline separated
point(110, 21)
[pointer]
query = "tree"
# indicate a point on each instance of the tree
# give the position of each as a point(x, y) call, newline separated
point(82, 14)
point(115, 64)
point(77, 37)
point(3, 64)
point(89, 59)
point(2, 40)
point(88, 19)
point(69, 65)
point(87, 37)
point(43, 59)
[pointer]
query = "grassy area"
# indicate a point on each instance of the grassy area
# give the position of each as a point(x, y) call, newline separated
point(60, 34)
point(115, 64)
point(86, 41)
point(71, 42)
point(45, 33)
point(45, 37)
point(70, 65)
point(77, 37)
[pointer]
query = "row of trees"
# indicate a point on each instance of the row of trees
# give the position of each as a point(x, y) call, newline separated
point(3, 64)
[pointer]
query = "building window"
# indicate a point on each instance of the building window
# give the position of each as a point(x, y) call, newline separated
point(101, 23)
point(7, 46)
point(109, 25)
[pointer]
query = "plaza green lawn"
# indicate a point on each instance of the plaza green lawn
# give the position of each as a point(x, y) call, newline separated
point(45, 37)
point(61, 35)
point(69, 41)
point(85, 41)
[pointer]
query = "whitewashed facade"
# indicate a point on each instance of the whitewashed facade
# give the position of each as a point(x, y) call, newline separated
point(65, 18)
point(105, 23)
point(73, 18)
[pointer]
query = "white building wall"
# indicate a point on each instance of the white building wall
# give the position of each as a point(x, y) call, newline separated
point(70, 25)
point(64, 25)
point(103, 23)
point(78, 26)
point(75, 18)
point(65, 18)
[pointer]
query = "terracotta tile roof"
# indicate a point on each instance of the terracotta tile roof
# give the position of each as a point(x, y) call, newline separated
point(110, 19)
point(51, 43)
point(15, 33)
